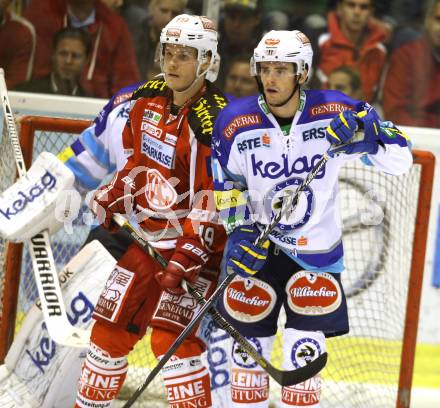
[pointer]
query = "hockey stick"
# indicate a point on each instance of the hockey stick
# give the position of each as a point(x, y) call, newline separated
point(281, 376)
point(55, 316)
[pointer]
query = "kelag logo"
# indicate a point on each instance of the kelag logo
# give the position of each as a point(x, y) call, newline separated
point(48, 182)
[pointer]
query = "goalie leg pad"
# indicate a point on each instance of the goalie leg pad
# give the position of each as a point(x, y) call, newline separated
point(102, 377)
point(249, 382)
point(300, 347)
point(39, 201)
point(186, 379)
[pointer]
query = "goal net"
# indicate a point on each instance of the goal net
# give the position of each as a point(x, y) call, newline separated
point(385, 222)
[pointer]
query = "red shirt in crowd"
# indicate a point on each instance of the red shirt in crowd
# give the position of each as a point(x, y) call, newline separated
point(411, 94)
point(112, 62)
point(17, 48)
point(336, 50)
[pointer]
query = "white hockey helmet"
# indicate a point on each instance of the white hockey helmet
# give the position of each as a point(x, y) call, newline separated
point(284, 46)
point(198, 32)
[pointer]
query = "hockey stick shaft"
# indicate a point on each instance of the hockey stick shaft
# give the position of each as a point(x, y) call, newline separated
point(43, 263)
point(282, 377)
point(291, 201)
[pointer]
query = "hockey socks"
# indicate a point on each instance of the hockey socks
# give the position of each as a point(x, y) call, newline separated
point(300, 347)
point(186, 379)
point(101, 379)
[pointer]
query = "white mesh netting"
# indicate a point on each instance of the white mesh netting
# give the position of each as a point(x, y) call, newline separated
point(378, 213)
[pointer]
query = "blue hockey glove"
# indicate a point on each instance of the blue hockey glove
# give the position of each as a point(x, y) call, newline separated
point(244, 257)
point(345, 127)
point(342, 128)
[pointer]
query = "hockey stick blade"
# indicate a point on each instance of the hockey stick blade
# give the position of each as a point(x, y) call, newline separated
point(283, 377)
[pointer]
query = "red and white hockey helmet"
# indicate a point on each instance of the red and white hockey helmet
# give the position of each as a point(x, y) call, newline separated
point(198, 32)
point(284, 46)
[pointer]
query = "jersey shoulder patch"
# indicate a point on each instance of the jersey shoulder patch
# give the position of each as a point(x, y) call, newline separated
point(203, 113)
point(241, 115)
point(325, 104)
point(150, 89)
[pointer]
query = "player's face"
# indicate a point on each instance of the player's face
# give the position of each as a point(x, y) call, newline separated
point(278, 79)
point(69, 59)
point(354, 14)
point(433, 26)
point(179, 66)
point(239, 82)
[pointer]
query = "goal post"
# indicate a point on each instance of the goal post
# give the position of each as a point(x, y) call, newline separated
point(384, 261)
point(415, 281)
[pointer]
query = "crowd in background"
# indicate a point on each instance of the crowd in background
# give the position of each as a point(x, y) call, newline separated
point(384, 52)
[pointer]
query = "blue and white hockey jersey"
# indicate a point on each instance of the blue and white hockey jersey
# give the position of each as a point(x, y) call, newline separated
point(255, 164)
point(98, 150)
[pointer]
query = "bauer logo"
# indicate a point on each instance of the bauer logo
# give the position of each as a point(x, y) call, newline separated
point(47, 183)
point(249, 302)
point(313, 294)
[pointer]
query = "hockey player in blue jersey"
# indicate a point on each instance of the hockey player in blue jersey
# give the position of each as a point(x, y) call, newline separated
point(263, 147)
point(98, 153)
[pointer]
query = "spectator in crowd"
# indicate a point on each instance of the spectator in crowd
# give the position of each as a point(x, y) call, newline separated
point(71, 49)
point(353, 39)
point(411, 94)
point(112, 64)
point(17, 46)
point(347, 80)
point(146, 33)
point(114, 4)
point(240, 29)
point(238, 80)
point(130, 11)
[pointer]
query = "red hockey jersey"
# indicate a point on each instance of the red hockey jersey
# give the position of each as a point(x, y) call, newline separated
point(169, 155)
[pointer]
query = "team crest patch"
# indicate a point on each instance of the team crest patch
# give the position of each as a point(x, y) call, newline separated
point(313, 294)
point(160, 194)
point(304, 351)
point(241, 357)
point(249, 302)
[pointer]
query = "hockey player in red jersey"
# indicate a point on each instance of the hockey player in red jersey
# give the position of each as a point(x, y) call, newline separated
point(166, 184)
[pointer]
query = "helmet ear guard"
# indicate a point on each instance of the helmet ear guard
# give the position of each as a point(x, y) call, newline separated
point(198, 32)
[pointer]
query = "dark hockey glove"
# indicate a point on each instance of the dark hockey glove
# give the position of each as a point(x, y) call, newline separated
point(115, 197)
point(345, 134)
point(186, 263)
point(244, 258)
